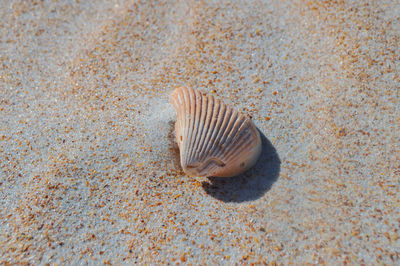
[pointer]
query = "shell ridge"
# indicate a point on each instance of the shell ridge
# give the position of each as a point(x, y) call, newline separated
point(236, 130)
point(229, 146)
point(185, 93)
point(240, 131)
point(182, 131)
point(220, 119)
point(243, 143)
point(216, 122)
point(192, 115)
point(179, 102)
point(244, 151)
point(217, 142)
point(206, 128)
point(230, 129)
point(215, 108)
point(253, 139)
point(176, 100)
point(196, 123)
point(203, 126)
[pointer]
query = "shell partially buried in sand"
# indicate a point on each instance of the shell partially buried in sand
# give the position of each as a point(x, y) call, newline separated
point(213, 139)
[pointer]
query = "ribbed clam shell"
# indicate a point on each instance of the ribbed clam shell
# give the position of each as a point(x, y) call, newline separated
point(214, 139)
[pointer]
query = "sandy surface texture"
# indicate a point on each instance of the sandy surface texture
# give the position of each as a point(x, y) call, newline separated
point(89, 166)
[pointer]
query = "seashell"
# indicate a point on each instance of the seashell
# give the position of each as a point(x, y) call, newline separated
point(213, 138)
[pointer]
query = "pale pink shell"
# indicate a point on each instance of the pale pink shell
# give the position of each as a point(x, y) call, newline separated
point(214, 139)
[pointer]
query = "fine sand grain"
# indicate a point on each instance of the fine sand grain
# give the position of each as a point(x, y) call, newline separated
point(89, 168)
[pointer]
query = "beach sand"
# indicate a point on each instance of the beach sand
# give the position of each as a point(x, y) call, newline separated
point(89, 168)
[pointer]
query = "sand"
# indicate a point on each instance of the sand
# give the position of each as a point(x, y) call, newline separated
point(89, 169)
